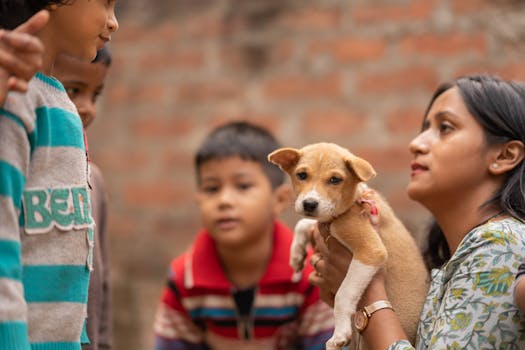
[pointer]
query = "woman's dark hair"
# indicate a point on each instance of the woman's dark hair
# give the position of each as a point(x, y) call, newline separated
point(499, 106)
point(15, 12)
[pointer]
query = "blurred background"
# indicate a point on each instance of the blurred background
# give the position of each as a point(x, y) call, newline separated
point(357, 72)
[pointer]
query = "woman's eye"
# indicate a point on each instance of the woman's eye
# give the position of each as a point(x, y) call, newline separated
point(302, 175)
point(445, 127)
point(334, 180)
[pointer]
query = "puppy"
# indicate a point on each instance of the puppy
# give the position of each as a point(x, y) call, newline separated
point(329, 183)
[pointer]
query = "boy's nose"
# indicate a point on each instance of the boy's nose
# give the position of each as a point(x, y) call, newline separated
point(87, 113)
point(112, 22)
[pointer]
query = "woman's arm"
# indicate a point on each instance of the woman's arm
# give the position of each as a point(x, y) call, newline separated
point(332, 261)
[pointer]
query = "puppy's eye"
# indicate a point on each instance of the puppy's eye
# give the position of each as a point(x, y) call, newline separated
point(302, 175)
point(334, 180)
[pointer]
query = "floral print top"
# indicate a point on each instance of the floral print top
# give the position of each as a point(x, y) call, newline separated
point(470, 301)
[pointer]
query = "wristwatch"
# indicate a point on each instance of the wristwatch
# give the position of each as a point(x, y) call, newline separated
point(362, 316)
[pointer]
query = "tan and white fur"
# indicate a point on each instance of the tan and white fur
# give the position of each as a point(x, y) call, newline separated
point(329, 183)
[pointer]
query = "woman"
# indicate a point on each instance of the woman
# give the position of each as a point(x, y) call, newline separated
point(468, 171)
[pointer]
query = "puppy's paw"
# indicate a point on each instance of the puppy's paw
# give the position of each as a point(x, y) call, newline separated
point(339, 340)
point(297, 257)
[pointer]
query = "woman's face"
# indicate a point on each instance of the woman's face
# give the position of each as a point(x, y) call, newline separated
point(450, 154)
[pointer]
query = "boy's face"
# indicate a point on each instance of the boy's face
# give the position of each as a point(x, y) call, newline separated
point(83, 82)
point(84, 26)
point(236, 201)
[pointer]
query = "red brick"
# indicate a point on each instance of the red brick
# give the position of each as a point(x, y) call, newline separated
point(332, 123)
point(399, 81)
point(155, 194)
point(204, 26)
point(511, 70)
point(118, 93)
point(268, 121)
point(276, 53)
point(373, 13)
point(313, 19)
point(121, 161)
point(392, 158)
point(208, 91)
point(154, 127)
point(299, 86)
point(448, 44)
point(171, 60)
point(122, 225)
point(463, 7)
point(405, 120)
point(351, 49)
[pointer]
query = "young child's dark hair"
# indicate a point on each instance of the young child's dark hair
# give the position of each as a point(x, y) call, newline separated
point(103, 56)
point(15, 12)
point(241, 139)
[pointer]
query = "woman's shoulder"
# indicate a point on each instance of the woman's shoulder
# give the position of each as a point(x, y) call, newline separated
point(492, 243)
point(505, 232)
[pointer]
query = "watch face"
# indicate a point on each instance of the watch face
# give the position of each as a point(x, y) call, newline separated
point(360, 320)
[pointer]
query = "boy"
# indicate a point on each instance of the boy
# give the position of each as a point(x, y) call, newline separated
point(234, 287)
point(46, 228)
point(84, 82)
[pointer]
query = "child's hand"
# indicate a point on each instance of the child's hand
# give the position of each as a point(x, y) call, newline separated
point(21, 54)
point(330, 262)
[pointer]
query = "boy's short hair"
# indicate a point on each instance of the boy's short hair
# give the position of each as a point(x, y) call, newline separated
point(103, 56)
point(241, 139)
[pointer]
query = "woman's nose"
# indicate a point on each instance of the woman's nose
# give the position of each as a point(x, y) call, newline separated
point(419, 144)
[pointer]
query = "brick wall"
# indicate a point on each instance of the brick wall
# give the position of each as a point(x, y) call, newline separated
point(358, 73)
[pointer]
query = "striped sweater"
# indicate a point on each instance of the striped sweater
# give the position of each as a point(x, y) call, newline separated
point(46, 229)
point(200, 309)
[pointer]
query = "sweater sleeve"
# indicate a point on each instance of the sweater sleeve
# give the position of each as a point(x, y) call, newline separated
point(316, 321)
point(14, 159)
point(173, 327)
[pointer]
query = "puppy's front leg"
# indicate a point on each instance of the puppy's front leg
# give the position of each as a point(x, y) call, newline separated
point(357, 278)
point(301, 238)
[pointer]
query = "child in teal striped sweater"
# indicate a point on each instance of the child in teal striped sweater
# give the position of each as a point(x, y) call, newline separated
point(46, 228)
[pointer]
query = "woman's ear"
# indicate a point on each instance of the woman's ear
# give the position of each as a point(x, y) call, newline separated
point(509, 155)
point(283, 196)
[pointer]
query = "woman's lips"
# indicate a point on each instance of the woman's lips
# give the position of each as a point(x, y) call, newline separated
point(417, 168)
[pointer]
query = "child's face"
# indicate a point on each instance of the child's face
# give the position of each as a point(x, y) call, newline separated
point(236, 201)
point(82, 27)
point(83, 82)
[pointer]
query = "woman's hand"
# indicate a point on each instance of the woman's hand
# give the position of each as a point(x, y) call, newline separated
point(330, 262)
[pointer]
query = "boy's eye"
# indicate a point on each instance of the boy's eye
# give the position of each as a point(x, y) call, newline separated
point(244, 186)
point(302, 175)
point(210, 189)
point(334, 180)
point(72, 91)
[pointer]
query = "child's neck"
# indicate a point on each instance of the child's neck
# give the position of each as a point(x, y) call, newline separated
point(245, 266)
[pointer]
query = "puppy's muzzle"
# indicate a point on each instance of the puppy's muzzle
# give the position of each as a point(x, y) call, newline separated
point(310, 206)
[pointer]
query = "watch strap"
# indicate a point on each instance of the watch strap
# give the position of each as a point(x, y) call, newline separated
point(376, 306)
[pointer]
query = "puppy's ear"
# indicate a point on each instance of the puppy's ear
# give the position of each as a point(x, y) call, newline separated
point(360, 167)
point(285, 158)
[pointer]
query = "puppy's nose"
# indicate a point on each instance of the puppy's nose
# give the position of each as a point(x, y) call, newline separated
point(310, 205)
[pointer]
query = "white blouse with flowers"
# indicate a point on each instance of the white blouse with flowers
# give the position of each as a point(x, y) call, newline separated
point(470, 301)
